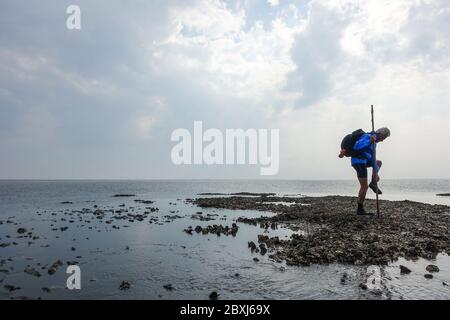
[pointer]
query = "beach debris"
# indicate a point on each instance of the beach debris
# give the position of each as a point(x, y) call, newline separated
point(123, 195)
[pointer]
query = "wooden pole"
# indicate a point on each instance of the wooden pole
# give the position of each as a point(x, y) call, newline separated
point(375, 171)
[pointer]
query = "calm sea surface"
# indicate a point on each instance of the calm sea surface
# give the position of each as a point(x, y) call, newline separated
point(152, 255)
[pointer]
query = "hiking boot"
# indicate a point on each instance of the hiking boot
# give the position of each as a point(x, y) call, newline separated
point(373, 186)
point(361, 211)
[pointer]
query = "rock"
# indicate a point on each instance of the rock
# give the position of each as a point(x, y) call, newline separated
point(144, 201)
point(213, 295)
point(335, 235)
point(444, 284)
point(46, 289)
point(215, 229)
point(125, 285)
point(54, 267)
point(32, 271)
point(123, 195)
point(11, 288)
point(168, 287)
point(21, 230)
point(255, 259)
point(263, 249)
point(432, 268)
point(363, 286)
point(428, 276)
point(66, 202)
point(344, 278)
point(252, 246)
point(404, 270)
point(443, 194)
point(377, 292)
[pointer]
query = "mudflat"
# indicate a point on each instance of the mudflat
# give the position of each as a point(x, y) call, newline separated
point(333, 233)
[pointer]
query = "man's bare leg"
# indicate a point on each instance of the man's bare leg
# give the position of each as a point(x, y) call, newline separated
point(362, 190)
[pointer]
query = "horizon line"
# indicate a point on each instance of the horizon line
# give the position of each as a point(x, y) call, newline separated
point(200, 179)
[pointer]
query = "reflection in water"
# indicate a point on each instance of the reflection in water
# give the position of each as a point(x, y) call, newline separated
point(152, 255)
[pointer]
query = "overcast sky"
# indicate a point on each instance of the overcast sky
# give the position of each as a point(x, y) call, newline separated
point(103, 101)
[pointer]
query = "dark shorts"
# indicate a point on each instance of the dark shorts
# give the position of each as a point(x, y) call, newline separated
point(361, 169)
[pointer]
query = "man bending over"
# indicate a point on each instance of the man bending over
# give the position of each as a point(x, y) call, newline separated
point(364, 148)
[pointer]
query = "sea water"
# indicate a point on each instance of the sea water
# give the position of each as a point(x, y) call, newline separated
point(152, 255)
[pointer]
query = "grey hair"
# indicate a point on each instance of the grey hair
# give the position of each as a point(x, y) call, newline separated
point(384, 132)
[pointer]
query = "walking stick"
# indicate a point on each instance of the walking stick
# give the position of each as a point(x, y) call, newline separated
point(375, 171)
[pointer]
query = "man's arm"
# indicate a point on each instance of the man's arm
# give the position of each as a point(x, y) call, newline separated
point(363, 142)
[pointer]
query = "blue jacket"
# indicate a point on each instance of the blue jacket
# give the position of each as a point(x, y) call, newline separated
point(365, 147)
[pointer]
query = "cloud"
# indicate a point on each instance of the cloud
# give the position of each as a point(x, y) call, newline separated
point(104, 100)
point(274, 3)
